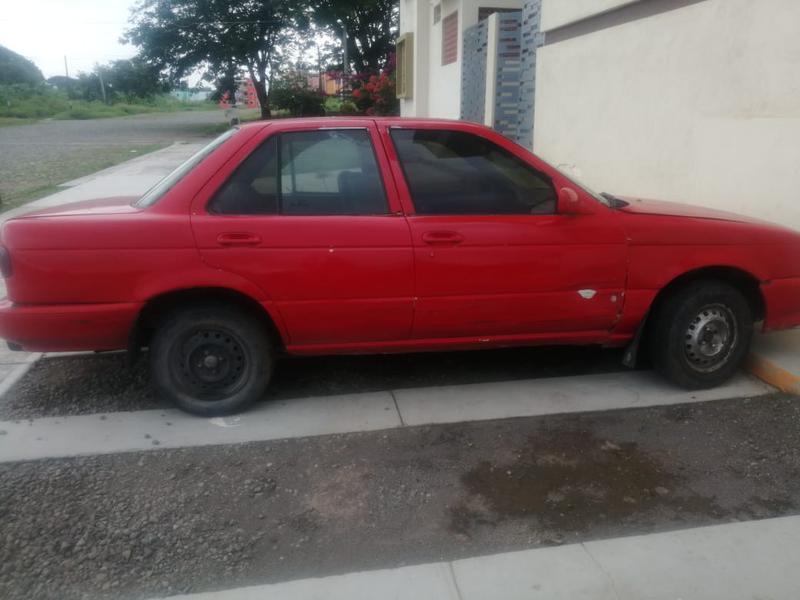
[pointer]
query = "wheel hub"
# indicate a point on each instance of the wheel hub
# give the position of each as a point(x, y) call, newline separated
point(211, 363)
point(710, 338)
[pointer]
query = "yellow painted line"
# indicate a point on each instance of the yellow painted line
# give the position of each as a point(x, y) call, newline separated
point(773, 374)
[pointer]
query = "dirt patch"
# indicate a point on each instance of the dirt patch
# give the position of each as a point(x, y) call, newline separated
point(569, 481)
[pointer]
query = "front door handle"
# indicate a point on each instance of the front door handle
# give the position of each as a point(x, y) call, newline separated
point(238, 238)
point(442, 238)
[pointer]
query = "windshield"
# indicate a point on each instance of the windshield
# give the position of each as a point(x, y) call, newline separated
point(155, 193)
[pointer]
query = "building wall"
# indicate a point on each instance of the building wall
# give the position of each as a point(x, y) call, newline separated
point(699, 104)
point(412, 19)
point(437, 90)
point(444, 81)
point(556, 13)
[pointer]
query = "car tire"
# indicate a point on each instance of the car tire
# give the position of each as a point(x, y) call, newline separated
point(211, 361)
point(701, 334)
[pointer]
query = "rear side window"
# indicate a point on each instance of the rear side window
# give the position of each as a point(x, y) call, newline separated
point(155, 193)
point(325, 172)
point(458, 173)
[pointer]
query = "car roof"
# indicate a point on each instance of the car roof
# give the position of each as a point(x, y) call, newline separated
point(327, 121)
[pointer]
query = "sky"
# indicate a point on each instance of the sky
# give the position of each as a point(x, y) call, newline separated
point(86, 31)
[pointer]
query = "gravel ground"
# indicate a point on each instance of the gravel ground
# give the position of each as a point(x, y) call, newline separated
point(86, 384)
point(140, 525)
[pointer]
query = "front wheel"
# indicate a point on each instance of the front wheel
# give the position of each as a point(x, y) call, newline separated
point(211, 361)
point(701, 334)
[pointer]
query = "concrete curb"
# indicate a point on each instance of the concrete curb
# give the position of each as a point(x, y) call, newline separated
point(772, 373)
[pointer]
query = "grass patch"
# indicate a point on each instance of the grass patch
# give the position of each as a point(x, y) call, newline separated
point(98, 110)
point(25, 103)
point(49, 174)
point(10, 121)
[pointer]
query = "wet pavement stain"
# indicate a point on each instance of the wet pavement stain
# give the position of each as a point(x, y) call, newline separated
point(570, 481)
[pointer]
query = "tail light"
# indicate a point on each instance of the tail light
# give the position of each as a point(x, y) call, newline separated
point(5, 262)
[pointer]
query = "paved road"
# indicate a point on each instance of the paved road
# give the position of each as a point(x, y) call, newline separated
point(30, 153)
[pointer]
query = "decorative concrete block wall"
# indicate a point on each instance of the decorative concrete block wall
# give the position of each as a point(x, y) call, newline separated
point(473, 73)
point(498, 76)
point(507, 76)
point(531, 39)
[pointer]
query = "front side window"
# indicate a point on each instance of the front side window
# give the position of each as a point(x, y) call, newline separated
point(325, 172)
point(458, 173)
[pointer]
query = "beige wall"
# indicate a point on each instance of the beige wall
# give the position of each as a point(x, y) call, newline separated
point(699, 104)
point(556, 13)
point(444, 81)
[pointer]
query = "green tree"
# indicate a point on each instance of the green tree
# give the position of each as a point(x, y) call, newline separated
point(15, 68)
point(371, 27)
point(180, 36)
point(134, 79)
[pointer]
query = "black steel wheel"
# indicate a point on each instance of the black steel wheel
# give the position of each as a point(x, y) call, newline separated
point(211, 361)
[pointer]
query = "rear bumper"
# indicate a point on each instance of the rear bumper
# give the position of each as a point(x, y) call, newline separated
point(782, 299)
point(67, 327)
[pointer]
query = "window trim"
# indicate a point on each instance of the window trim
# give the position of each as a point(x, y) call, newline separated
point(411, 204)
point(277, 135)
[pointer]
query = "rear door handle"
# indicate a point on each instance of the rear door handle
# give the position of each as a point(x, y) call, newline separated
point(442, 238)
point(238, 238)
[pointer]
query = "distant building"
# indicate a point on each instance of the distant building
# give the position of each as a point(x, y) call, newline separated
point(331, 85)
point(693, 100)
point(192, 95)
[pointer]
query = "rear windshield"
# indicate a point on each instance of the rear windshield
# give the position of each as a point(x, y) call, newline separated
point(155, 193)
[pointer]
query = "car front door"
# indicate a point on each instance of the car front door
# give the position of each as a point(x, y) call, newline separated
point(494, 259)
point(304, 213)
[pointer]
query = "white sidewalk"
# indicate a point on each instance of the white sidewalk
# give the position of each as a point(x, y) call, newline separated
point(754, 560)
point(158, 429)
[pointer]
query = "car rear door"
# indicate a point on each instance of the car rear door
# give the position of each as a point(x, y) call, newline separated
point(303, 211)
point(493, 257)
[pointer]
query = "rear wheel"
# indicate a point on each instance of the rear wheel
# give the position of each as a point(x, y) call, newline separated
point(701, 334)
point(211, 361)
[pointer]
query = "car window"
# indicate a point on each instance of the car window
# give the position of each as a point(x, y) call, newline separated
point(253, 187)
point(155, 193)
point(325, 172)
point(458, 173)
point(330, 172)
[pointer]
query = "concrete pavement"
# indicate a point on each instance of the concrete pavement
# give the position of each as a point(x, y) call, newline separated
point(738, 561)
point(145, 430)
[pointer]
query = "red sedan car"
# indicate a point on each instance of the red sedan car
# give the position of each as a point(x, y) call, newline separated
point(324, 236)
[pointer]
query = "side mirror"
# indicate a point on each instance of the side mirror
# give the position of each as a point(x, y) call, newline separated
point(569, 203)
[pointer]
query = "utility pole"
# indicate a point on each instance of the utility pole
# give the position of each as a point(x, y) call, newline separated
point(66, 68)
point(346, 61)
point(102, 85)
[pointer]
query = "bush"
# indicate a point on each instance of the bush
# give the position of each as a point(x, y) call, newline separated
point(376, 95)
point(293, 94)
point(348, 108)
